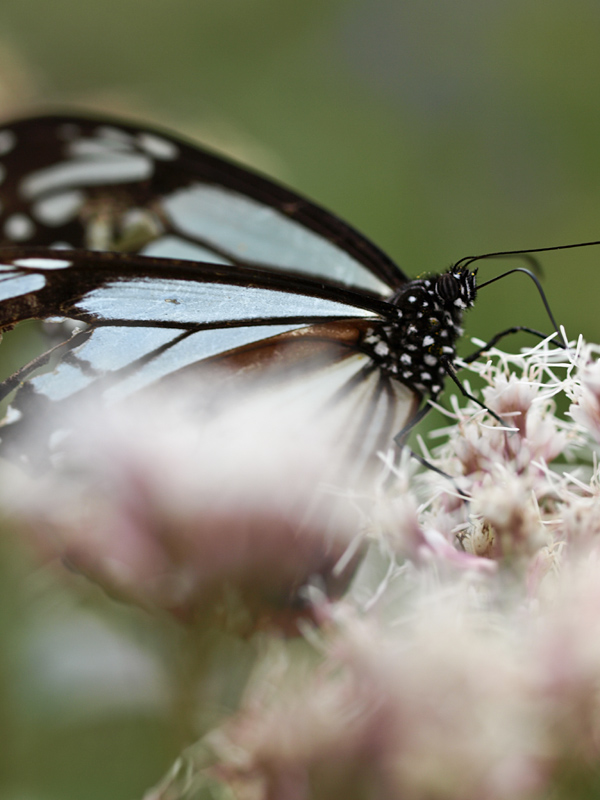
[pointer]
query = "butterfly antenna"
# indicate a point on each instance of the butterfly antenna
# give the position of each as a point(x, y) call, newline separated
point(524, 253)
point(465, 262)
point(528, 258)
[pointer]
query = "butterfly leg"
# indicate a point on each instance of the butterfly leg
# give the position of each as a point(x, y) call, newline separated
point(495, 339)
point(400, 439)
point(451, 372)
point(428, 465)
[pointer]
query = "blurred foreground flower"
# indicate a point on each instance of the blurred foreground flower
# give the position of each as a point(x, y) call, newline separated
point(228, 516)
point(473, 669)
point(454, 700)
point(464, 664)
point(433, 707)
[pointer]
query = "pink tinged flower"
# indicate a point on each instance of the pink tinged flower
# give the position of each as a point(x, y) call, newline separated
point(567, 654)
point(403, 530)
point(248, 507)
point(507, 518)
point(511, 398)
point(586, 408)
point(525, 403)
point(525, 406)
point(542, 568)
point(395, 521)
point(579, 523)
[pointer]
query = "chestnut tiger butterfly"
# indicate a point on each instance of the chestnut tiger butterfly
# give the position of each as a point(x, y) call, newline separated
point(175, 258)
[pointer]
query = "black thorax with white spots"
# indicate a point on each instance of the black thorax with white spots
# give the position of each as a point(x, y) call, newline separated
point(416, 346)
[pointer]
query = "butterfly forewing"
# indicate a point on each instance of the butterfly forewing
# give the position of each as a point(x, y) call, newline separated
point(110, 186)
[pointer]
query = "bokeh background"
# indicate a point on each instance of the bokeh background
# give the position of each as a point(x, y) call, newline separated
point(439, 129)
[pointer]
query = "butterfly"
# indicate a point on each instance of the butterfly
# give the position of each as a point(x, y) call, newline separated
point(171, 259)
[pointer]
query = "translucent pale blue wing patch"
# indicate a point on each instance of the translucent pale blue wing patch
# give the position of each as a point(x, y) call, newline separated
point(250, 231)
point(15, 284)
point(178, 301)
point(175, 247)
point(123, 360)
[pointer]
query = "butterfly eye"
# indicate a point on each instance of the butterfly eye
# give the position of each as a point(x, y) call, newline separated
point(448, 287)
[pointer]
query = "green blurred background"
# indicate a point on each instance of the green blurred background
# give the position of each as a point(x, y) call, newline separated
point(439, 129)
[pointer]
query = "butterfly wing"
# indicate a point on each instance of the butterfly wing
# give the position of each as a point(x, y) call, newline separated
point(220, 266)
point(105, 185)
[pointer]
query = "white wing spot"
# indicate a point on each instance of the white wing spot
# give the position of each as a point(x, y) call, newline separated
point(117, 134)
point(427, 341)
point(94, 148)
point(109, 167)
point(412, 299)
point(381, 349)
point(58, 209)
point(18, 227)
point(405, 358)
point(42, 263)
point(7, 141)
point(430, 360)
point(20, 284)
point(158, 147)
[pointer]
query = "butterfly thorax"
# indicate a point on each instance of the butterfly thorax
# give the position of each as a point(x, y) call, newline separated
point(416, 346)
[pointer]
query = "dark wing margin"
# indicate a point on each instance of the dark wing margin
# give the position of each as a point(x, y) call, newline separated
point(107, 185)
